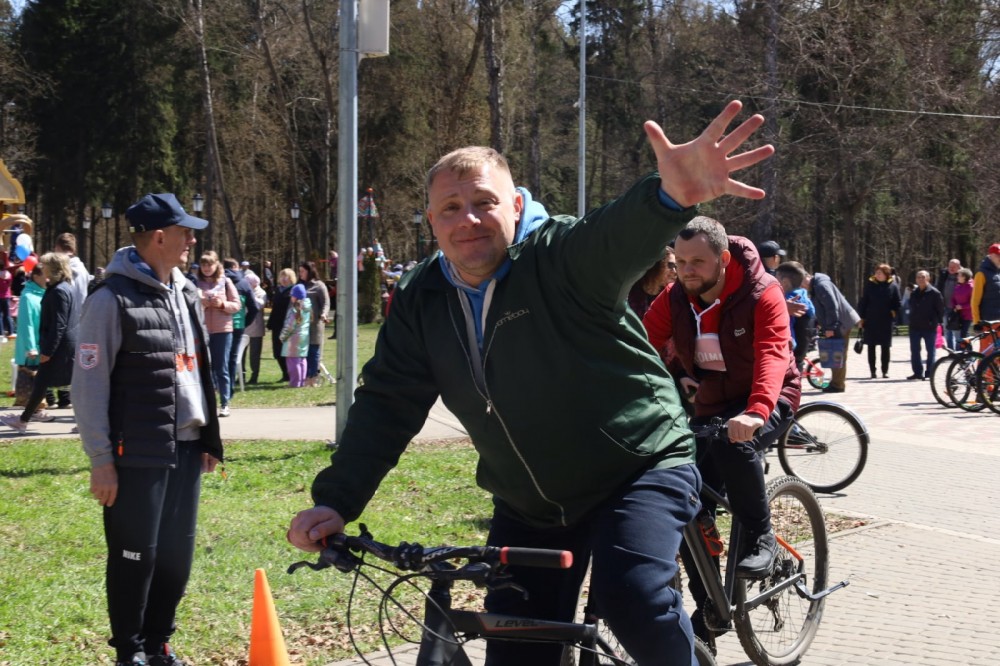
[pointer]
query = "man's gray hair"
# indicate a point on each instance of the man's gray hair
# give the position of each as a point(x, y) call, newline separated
point(712, 229)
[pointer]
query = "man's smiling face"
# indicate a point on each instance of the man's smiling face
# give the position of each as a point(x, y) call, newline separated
point(474, 216)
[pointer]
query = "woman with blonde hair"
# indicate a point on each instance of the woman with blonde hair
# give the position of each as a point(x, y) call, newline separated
point(221, 302)
point(57, 331)
point(279, 309)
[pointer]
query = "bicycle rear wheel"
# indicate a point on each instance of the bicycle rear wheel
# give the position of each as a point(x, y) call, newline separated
point(826, 446)
point(988, 381)
point(779, 630)
point(939, 380)
point(961, 381)
point(817, 376)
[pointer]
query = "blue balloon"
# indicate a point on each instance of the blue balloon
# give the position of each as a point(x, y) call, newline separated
point(22, 252)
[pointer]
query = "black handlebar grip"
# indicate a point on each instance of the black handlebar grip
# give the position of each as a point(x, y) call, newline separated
point(536, 557)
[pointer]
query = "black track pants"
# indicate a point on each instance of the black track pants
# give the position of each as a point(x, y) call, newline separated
point(150, 535)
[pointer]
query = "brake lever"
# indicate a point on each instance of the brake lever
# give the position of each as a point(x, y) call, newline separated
point(315, 566)
point(509, 585)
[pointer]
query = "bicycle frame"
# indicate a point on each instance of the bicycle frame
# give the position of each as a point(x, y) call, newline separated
point(440, 644)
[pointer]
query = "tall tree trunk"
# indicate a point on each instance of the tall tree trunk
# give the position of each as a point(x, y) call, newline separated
point(288, 123)
point(215, 159)
point(491, 15)
point(763, 228)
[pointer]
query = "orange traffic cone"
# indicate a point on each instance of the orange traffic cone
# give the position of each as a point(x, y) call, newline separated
point(267, 647)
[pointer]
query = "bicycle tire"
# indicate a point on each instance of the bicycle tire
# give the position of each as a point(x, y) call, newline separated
point(939, 380)
point(826, 446)
point(961, 381)
point(779, 631)
point(611, 653)
point(820, 380)
point(988, 381)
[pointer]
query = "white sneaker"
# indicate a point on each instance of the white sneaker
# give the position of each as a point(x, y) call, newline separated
point(42, 416)
point(224, 411)
point(14, 421)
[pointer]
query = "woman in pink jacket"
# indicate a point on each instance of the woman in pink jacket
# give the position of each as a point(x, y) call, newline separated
point(220, 300)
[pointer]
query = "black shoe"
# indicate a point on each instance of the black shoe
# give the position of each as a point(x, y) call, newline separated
point(166, 657)
point(833, 389)
point(874, 376)
point(64, 405)
point(915, 377)
point(758, 561)
point(885, 375)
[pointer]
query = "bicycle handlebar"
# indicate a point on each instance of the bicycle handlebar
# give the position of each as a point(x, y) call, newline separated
point(984, 326)
point(340, 551)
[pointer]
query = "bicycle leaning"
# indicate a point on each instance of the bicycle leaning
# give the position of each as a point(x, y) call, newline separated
point(955, 378)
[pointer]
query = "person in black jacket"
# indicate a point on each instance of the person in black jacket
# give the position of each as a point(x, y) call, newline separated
point(250, 312)
point(878, 307)
point(279, 308)
point(58, 326)
point(926, 313)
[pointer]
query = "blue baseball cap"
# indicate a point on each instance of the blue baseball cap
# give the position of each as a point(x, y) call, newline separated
point(158, 211)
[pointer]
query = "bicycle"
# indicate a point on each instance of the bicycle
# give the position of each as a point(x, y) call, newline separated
point(826, 446)
point(817, 376)
point(324, 377)
point(776, 617)
point(960, 374)
point(988, 375)
point(445, 630)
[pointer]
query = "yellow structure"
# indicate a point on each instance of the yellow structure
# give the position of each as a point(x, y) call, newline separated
point(11, 192)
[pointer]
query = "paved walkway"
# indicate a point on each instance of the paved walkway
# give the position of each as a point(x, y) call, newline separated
point(924, 572)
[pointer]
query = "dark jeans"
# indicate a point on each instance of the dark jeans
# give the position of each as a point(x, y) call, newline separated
point(737, 470)
point(6, 323)
point(312, 361)
point(885, 358)
point(38, 391)
point(276, 350)
point(928, 337)
point(256, 347)
point(235, 364)
point(150, 533)
point(633, 540)
point(219, 345)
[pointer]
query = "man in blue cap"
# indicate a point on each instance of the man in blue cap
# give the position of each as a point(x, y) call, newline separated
point(146, 411)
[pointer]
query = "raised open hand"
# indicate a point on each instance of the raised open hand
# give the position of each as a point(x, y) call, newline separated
point(699, 171)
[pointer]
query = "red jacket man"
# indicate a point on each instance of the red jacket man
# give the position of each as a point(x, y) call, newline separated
point(729, 324)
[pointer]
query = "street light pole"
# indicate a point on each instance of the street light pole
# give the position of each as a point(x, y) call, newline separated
point(418, 222)
point(106, 212)
point(198, 202)
point(295, 211)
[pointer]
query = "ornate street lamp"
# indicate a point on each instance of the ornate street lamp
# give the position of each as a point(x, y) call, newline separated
point(199, 202)
point(294, 211)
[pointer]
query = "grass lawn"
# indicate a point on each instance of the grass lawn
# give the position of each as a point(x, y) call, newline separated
point(52, 609)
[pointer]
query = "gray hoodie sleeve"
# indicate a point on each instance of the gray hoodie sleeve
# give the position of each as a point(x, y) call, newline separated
point(100, 338)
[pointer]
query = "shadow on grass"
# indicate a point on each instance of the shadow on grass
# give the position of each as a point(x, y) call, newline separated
point(50, 471)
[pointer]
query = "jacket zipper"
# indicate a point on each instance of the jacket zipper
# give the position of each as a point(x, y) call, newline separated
point(484, 392)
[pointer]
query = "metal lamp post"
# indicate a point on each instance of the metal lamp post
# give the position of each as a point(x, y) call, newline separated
point(198, 202)
point(295, 211)
point(418, 222)
point(106, 212)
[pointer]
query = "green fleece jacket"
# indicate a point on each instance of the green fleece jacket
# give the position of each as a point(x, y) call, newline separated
point(566, 402)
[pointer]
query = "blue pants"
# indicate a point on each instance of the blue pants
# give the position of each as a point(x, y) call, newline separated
point(150, 535)
point(219, 345)
point(633, 540)
point(235, 364)
point(928, 337)
point(312, 361)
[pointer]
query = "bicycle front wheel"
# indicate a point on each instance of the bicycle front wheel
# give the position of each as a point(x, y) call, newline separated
point(778, 630)
point(988, 381)
point(826, 446)
point(939, 381)
point(961, 381)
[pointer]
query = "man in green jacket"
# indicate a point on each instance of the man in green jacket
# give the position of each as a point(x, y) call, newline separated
point(582, 438)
